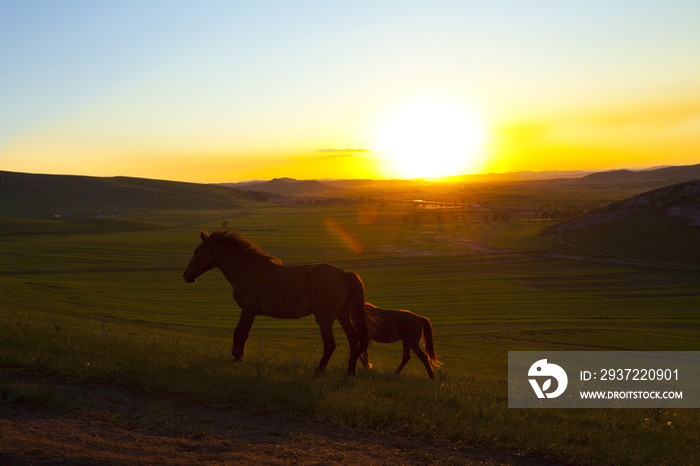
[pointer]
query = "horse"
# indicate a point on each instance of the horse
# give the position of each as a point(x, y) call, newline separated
point(392, 325)
point(263, 286)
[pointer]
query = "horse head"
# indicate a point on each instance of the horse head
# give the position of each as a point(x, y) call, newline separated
point(202, 260)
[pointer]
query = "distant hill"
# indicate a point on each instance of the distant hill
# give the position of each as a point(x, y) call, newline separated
point(486, 177)
point(662, 224)
point(369, 183)
point(519, 176)
point(661, 176)
point(26, 195)
point(289, 187)
point(647, 178)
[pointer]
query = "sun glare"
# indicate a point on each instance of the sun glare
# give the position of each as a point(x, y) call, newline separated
point(431, 138)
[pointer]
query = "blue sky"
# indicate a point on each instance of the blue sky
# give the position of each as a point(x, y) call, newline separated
point(224, 91)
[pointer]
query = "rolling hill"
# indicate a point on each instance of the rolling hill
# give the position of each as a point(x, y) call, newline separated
point(24, 195)
point(289, 187)
point(660, 176)
point(293, 187)
point(662, 224)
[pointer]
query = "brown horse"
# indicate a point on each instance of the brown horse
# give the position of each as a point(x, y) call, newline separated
point(263, 286)
point(391, 325)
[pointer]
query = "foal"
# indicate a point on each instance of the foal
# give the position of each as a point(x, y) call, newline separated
point(391, 325)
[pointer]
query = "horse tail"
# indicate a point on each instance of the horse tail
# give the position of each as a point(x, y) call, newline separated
point(428, 341)
point(372, 321)
point(356, 298)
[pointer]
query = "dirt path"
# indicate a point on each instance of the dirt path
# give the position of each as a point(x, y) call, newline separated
point(49, 419)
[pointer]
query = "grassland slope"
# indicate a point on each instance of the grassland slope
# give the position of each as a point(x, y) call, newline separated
point(660, 224)
point(660, 176)
point(38, 196)
point(292, 187)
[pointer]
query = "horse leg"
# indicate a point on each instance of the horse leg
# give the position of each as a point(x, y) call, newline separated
point(241, 334)
point(424, 359)
point(353, 341)
point(328, 346)
point(364, 359)
point(406, 357)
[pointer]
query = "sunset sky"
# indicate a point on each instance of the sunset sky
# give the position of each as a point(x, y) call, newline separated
point(216, 91)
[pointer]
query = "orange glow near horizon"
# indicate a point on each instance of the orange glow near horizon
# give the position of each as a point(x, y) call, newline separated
point(422, 139)
point(628, 136)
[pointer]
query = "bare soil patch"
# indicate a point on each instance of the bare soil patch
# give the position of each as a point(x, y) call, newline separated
point(48, 419)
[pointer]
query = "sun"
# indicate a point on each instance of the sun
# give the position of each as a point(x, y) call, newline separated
point(430, 138)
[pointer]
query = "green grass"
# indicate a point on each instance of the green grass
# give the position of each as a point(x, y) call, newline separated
point(163, 334)
point(642, 235)
point(32, 396)
point(38, 197)
point(456, 407)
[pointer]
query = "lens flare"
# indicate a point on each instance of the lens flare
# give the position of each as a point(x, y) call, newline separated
point(367, 215)
point(343, 234)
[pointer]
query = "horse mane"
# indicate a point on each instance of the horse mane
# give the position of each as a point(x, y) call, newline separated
point(240, 245)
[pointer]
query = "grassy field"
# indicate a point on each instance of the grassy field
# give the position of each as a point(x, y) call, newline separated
point(649, 239)
point(488, 288)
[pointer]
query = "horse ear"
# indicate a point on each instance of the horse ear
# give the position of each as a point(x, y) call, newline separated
point(204, 235)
